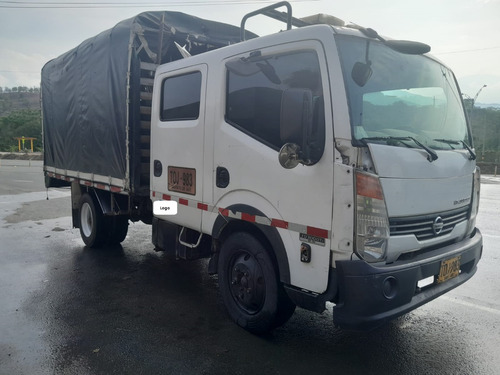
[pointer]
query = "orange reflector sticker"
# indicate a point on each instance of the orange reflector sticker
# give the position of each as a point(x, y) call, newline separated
point(368, 186)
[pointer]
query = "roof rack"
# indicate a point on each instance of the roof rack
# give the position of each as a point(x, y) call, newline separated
point(270, 11)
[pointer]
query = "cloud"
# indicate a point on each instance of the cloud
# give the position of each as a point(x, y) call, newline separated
point(20, 69)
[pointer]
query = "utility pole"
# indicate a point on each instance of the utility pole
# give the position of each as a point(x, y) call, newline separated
point(473, 101)
point(484, 125)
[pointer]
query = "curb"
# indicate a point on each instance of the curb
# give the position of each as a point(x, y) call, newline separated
point(21, 155)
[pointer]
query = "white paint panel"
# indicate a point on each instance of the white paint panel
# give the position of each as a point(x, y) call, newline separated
point(410, 197)
point(414, 186)
point(412, 163)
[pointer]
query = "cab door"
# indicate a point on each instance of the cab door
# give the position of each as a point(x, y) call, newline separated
point(177, 142)
point(298, 201)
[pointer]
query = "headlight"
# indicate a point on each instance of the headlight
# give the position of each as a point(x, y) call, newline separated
point(476, 189)
point(372, 223)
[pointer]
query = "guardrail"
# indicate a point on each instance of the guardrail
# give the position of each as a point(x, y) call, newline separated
point(488, 168)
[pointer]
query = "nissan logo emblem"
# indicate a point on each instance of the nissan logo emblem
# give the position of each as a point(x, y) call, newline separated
point(437, 226)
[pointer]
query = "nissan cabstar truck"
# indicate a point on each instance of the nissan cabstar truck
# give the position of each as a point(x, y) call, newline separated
point(321, 164)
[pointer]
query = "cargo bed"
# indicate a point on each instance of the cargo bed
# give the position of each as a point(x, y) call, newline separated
point(96, 99)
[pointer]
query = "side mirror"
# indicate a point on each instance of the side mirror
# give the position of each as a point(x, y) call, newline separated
point(289, 156)
point(296, 123)
point(361, 73)
point(296, 116)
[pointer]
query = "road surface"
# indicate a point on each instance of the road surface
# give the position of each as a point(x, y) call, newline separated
point(67, 309)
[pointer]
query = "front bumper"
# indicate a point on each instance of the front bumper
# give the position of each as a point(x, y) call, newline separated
point(371, 295)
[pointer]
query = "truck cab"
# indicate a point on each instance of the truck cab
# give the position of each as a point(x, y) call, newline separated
point(321, 164)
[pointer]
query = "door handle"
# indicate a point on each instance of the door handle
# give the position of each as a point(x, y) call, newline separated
point(222, 177)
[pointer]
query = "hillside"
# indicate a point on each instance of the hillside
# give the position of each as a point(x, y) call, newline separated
point(16, 101)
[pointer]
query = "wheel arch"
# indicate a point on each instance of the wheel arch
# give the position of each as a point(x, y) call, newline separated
point(77, 192)
point(225, 226)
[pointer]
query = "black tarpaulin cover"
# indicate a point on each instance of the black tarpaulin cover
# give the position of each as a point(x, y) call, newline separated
point(86, 116)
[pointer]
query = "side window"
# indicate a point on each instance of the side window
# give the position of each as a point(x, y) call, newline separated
point(255, 87)
point(181, 97)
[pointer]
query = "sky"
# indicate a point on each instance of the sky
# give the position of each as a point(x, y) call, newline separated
point(463, 34)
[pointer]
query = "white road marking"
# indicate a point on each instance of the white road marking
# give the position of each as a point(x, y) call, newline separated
point(470, 304)
point(34, 196)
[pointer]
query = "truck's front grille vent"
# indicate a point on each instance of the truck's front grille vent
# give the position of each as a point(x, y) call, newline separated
point(428, 226)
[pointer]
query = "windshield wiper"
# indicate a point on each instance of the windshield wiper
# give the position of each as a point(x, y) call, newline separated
point(432, 155)
point(463, 143)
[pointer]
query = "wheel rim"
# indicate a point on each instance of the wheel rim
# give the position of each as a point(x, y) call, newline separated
point(86, 219)
point(247, 282)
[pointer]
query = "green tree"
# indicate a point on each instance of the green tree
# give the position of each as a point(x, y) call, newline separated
point(25, 123)
point(485, 124)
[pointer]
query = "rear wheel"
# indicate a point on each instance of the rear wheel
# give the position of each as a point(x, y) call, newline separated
point(249, 285)
point(117, 229)
point(92, 224)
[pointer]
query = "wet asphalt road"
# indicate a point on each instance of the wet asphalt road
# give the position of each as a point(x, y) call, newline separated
point(67, 309)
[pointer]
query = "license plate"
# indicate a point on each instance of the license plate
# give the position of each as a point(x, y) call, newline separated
point(450, 268)
point(182, 180)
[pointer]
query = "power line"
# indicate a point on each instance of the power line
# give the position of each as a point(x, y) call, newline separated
point(80, 5)
point(112, 3)
point(17, 71)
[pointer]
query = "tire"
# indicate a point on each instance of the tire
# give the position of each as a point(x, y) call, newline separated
point(117, 229)
point(92, 224)
point(286, 308)
point(249, 285)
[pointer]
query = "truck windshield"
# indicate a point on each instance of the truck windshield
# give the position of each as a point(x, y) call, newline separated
point(392, 94)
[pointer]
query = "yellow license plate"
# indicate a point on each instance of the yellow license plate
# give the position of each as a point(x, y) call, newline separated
point(450, 268)
point(182, 180)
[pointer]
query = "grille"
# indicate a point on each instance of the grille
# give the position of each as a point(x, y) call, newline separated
point(422, 226)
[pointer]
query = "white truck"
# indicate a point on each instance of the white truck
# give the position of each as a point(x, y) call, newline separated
point(324, 163)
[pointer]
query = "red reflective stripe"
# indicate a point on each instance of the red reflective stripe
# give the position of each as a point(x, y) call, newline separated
point(153, 193)
point(279, 223)
point(100, 186)
point(115, 189)
point(248, 217)
point(317, 232)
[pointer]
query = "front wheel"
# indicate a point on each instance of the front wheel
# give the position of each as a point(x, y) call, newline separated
point(249, 285)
